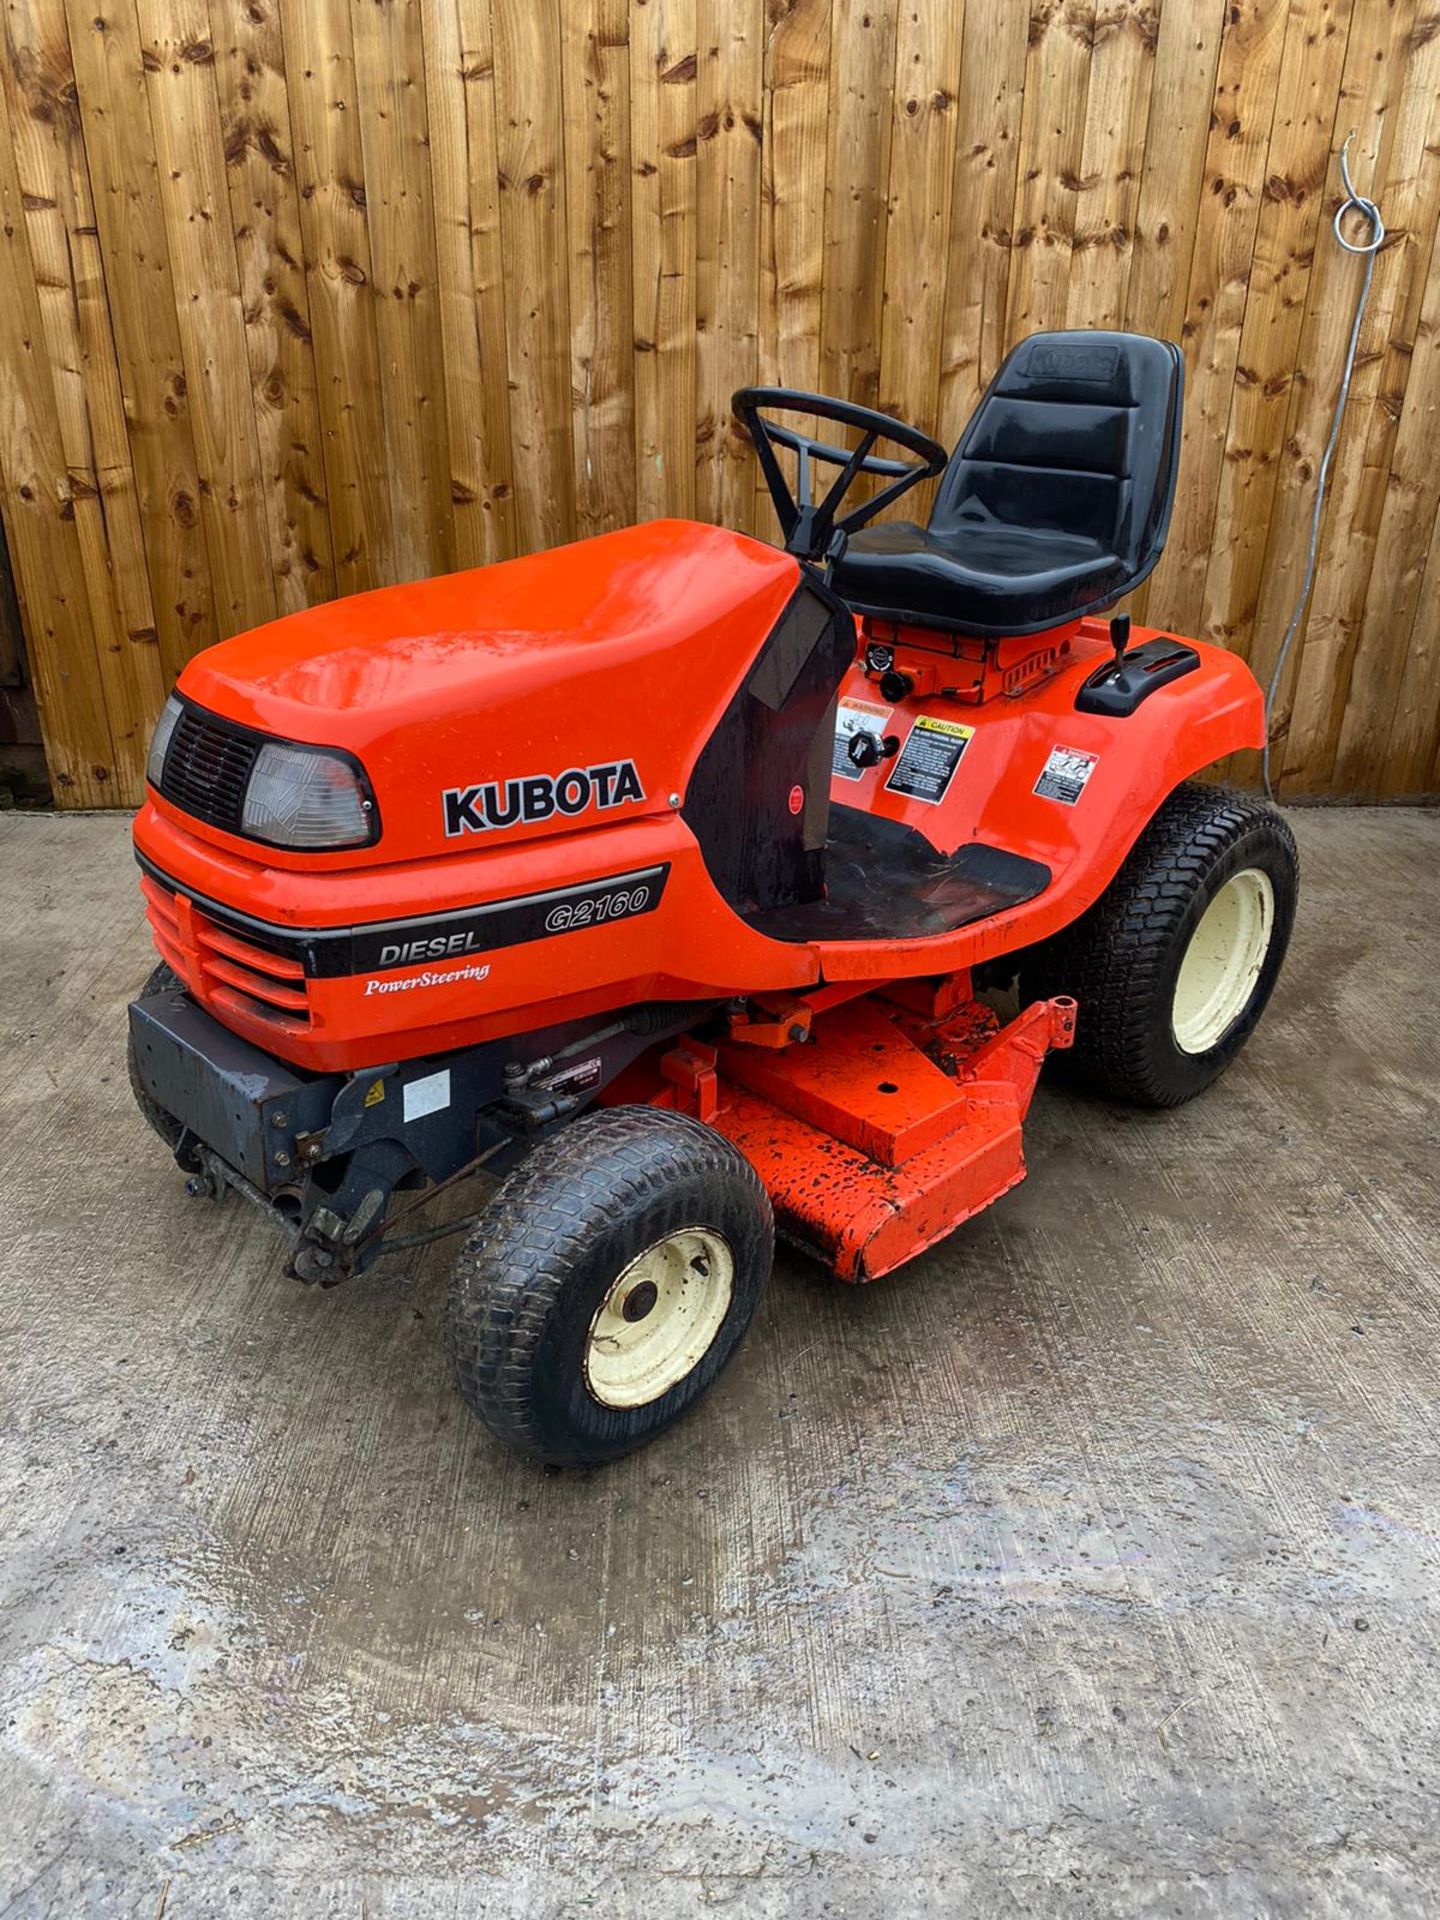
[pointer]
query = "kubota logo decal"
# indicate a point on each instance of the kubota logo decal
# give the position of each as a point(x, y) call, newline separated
point(509, 803)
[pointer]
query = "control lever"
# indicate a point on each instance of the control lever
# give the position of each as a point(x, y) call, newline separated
point(1119, 640)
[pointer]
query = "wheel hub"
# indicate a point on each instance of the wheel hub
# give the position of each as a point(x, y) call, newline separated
point(659, 1318)
point(640, 1300)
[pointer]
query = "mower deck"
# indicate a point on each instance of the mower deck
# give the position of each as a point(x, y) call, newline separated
point(876, 1125)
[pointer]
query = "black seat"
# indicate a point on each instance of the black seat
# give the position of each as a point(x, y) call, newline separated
point(1055, 503)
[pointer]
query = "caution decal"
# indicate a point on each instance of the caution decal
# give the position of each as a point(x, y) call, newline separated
point(927, 763)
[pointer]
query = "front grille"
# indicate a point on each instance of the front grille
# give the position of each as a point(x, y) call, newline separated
point(222, 968)
point(207, 768)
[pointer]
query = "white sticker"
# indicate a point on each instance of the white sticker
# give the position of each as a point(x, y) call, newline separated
point(855, 716)
point(1065, 773)
point(430, 1095)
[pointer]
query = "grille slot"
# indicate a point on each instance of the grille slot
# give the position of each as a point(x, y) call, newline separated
point(207, 769)
point(221, 968)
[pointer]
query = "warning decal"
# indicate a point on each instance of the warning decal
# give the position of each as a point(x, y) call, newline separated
point(855, 716)
point(1065, 773)
point(929, 758)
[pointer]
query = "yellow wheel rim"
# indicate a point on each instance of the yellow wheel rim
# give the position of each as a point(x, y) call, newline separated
point(658, 1321)
point(1223, 961)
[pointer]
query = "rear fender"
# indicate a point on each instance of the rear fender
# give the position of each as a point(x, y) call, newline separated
point(1040, 779)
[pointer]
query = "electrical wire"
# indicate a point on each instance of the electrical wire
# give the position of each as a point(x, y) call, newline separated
point(1359, 203)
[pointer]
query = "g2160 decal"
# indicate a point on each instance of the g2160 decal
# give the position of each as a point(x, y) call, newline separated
point(507, 923)
point(623, 904)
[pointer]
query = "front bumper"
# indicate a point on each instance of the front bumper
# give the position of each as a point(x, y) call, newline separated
point(245, 1105)
point(272, 1123)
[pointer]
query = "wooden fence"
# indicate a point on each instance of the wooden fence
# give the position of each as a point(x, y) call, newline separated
point(304, 296)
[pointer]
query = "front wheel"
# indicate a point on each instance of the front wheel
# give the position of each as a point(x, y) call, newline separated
point(613, 1276)
point(1173, 965)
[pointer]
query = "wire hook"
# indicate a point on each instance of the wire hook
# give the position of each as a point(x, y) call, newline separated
point(1357, 202)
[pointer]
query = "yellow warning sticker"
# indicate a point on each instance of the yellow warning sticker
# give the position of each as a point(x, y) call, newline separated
point(928, 761)
point(375, 1094)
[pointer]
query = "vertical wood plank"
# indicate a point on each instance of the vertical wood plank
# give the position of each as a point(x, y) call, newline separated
point(465, 183)
point(793, 145)
point(54, 183)
point(857, 168)
point(1182, 104)
point(1172, 174)
point(727, 250)
point(330, 175)
point(917, 242)
point(1052, 136)
point(1409, 564)
point(185, 119)
point(394, 139)
point(132, 276)
point(532, 223)
point(1117, 115)
point(1233, 182)
point(255, 132)
point(1392, 680)
point(40, 523)
point(596, 45)
point(982, 201)
point(664, 63)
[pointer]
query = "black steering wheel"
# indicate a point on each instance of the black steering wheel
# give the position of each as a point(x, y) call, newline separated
point(810, 527)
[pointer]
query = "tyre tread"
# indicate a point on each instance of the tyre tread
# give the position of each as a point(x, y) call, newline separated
point(1113, 959)
point(511, 1272)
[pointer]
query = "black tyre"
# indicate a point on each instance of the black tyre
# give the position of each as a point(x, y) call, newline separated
point(1173, 965)
point(163, 980)
point(612, 1278)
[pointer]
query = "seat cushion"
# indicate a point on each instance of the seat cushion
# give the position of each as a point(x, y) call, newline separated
point(1055, 502)
point(978, 575)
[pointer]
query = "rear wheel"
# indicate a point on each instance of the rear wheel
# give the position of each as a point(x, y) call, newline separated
point(1173, 965)
point(612, 1278)
point(163, 980)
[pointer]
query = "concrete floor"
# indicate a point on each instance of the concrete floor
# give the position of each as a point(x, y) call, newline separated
point(1088, 1567)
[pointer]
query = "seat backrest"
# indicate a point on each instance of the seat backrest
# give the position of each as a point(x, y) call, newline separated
point(1078, 433)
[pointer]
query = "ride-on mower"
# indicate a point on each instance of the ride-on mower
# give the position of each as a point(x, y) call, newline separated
point(673, 877)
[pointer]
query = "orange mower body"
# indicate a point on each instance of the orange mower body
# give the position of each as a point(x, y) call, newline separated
point(674, 819)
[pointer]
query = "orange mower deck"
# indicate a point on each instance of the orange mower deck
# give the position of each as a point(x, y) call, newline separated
point(877, 1124)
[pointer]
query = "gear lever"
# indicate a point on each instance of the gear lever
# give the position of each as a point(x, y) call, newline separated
point(1119, 640)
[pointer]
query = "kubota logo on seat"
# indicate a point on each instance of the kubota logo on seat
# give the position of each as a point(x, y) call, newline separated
point(509, 803)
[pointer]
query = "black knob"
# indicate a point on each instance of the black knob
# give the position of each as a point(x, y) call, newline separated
point(868, 749)
point(895, 686)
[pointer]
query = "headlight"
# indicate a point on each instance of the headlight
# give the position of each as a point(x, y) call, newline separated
point(305, 797)
point(160, 739)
